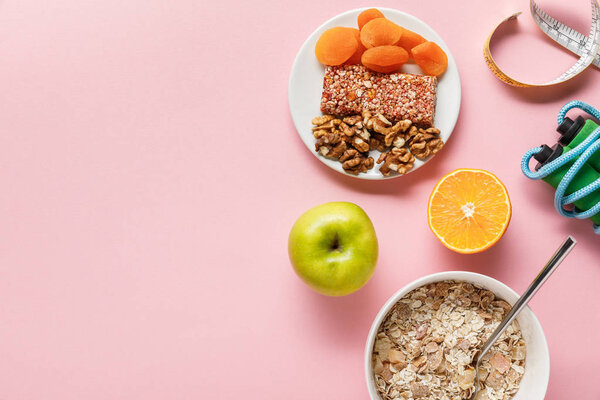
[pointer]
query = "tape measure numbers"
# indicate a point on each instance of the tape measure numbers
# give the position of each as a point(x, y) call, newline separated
point(586, 47)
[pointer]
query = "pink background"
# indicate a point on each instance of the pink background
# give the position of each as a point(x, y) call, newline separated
point(151, 173)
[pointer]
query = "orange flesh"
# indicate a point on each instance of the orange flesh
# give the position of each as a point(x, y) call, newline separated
point(335, 46)
point(469, 210)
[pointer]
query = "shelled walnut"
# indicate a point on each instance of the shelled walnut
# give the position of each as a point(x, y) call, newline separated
point(330, 144)
point(377, 142)
point(355, 162)
point(393, 134)
point(397, 160)
point(351, 139)
point(425, 143)
point(360, 144)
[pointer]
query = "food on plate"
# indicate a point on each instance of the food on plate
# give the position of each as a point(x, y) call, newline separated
point(368, 15)
point(425, 143)
point(469, 210)
point(333, 248)
point(335, 46)
point(355, 58)
point(431, 58)
point(368, 105)
point(384, 59)
point(409, 39)
point(380, 32)
point(350, 140)
point(397, 159)
point(424, 348)
point(343, 141)
point(350, 89)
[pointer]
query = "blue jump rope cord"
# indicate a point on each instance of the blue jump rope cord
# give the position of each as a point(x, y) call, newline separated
point(581, 153)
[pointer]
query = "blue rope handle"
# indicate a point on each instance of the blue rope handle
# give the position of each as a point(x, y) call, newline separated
point(580, 154)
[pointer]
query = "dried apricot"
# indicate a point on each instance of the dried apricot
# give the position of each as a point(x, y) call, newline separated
point(368, 15)
point(335, 46)
point(355, 58)
point(410, 39)
point(431, 58)
point(380, 32)
point(384, 59)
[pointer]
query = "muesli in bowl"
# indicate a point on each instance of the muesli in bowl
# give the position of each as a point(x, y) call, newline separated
point(427, 343)
point(423, 343)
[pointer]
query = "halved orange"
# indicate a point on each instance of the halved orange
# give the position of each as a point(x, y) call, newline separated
point(469, 210)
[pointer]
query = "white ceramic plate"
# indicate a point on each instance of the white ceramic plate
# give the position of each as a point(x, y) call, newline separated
point(306, 84)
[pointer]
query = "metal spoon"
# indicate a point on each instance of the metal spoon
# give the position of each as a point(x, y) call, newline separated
point(539, 280)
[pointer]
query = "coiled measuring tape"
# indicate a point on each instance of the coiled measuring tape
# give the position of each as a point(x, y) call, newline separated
point(586, 47)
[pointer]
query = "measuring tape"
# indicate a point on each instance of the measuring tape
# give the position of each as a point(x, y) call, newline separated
point(586, 47)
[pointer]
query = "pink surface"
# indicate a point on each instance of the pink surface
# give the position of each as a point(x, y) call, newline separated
point(151, 174)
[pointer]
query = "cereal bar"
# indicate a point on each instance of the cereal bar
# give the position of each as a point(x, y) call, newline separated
point(350, 89)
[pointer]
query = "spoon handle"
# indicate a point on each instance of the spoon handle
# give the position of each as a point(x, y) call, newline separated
point(544, 274)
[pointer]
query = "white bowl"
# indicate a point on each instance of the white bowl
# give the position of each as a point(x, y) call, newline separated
point(537, 362)
point(306, 84)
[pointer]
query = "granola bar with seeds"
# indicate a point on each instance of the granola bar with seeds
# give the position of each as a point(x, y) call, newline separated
point(350, 89)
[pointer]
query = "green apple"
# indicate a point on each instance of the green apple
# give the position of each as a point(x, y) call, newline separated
point(333, 248)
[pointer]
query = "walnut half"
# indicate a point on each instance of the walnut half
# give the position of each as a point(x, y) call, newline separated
point(425, 143)
point(331, 145)
point(397, 159)
point(355, 162)
point(377, 142)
